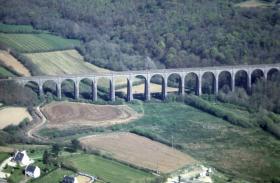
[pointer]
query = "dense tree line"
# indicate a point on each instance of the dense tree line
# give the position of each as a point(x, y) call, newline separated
point(12, 93)
point(132, 34)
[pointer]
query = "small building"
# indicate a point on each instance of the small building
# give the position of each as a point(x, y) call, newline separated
point(33, 171)
point(69, 179)
point(21, 158)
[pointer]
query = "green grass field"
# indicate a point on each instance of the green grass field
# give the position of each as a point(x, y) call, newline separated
point(108, 170)
point(3, 156)
point(8, 28)
point(27, 43)
point(62, 62)
point(5, 73)
point(249, 154)
point(55, 176)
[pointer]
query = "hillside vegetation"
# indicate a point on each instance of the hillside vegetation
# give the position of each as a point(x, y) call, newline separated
point(131, 34)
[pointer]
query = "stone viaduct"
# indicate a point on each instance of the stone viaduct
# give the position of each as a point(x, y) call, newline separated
point(130, 76)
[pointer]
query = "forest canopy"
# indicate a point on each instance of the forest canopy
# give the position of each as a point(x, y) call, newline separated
point(131, 34)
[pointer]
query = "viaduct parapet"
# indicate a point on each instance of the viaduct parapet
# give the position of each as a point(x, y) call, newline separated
point(130, 76)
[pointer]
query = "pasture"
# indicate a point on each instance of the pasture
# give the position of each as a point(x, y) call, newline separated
point(27, 43)
point(108, 170)
point(5, 73)
point(8, 60)
point(250, 154)
point(12, 116)
point(55, 176)
point(137, 150)
point(66, 115)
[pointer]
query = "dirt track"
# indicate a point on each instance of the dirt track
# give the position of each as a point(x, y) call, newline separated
point(65, 114)
point(138, 150)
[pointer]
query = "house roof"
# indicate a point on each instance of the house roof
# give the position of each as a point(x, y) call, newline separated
point(68, 179)
point(19, 156)
point(30, 168)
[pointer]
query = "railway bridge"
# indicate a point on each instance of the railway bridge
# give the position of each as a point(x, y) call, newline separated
point(265, 71)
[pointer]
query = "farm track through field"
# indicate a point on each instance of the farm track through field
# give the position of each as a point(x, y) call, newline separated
point(31, 133)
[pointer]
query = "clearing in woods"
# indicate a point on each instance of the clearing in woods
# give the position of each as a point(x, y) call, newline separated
point(68, 114)
point(253, 4)
point(13, 116)
point(8, 60)
point(138, 150)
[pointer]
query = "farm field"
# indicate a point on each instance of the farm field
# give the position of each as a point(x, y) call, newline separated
point(67, 114)
point(12, 116)
point(8, 60)
point(62, 62)
point(36, 42)
point(68, 62)
point(5, 73)
point(9, 28)
point(137, 150)
point(249, 154)
point(108, 170)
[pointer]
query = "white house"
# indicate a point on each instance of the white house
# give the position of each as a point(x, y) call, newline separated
point(69, 179)
point(32, 171)
point(21, 158)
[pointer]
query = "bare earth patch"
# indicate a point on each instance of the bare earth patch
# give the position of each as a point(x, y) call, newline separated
point(83, 179)
point(67, 114)
point(7, 59)
point(13, 116)
point(253, 4)
point(138, 150)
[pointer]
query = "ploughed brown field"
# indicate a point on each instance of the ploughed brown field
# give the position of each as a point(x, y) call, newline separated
point(138, 150)
point(69, 114)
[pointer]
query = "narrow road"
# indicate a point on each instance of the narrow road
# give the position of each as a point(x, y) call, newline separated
point(31, 131)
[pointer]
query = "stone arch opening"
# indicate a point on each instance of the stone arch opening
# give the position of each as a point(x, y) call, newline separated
point(103, 88)
point(242, 79)
point(139, 87)
point(121, 86)
point(191, 83)
point(157, 86)
point(34, 86)
point(68, 88)
point(273, 75)
point(174, 83)
point(50, 88)
point(256, 75)
point(225, 80)
point(208, 83)
point(85, 88)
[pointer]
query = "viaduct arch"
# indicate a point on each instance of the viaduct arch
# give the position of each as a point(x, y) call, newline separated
point(249, 71)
